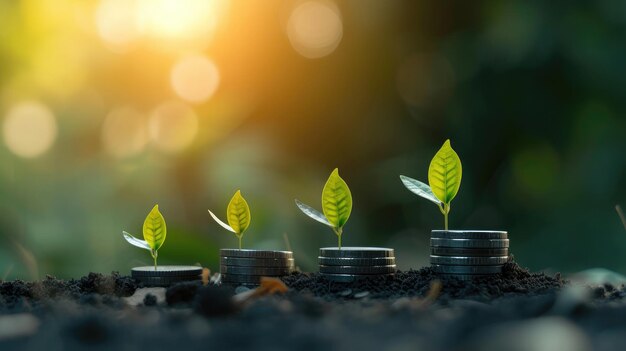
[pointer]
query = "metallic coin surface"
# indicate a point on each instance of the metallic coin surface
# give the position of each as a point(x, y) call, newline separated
point(166, 281)
point(463, 261)
point(257, 262)
point(165, 271)
point(446, 269)
point(468, 234)
point(451, 251)
point(348, 278)
point(470, 243)
point(246, 253)
point(349, 261)
point(358, 269)
point(262, 271)
point(356, 252)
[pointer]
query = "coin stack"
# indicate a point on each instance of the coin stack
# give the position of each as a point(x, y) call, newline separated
point(468, 254)
point(246, 267)
point(349, 264)
point(164, 276)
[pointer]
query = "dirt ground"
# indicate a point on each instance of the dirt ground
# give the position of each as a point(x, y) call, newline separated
point(414, 310)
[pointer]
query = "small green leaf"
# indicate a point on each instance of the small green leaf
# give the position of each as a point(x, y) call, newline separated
point(444, 174)
point(419, 188)
point(219, 221)
point(136, 242)
point(336, 200)
point(238, 213)
point(154, 229)
point(313, 213)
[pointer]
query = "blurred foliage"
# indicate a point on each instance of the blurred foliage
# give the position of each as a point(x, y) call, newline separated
point(531, 93)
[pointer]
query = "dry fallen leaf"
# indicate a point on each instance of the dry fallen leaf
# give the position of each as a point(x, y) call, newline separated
point(269, 286)
point(206, 276)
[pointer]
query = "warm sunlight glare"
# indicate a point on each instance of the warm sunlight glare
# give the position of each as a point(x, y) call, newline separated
point(29, 129)
point(124, 132)
point(315, 28)
point(189, 20)
point(195, 78)
point(172, 126)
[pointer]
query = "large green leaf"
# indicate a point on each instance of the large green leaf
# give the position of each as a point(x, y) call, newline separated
point(238, 213)
point(444, 173)
point(336, 200)
point(154, 229)
point(419, 188)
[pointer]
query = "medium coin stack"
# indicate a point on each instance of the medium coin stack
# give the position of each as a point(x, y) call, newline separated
point(349, 264)
point(165, 276)
point(466, 254)
point(246, 267)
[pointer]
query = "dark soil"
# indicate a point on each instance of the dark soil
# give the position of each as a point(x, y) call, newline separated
point(517, 310)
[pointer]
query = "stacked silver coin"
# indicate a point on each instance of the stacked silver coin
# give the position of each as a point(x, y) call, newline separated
point(466, 254)
point(165, 276)
point(349, 264)
point(246, 267)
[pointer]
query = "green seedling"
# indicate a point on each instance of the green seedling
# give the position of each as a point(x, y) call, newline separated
point(237, 215)
point(336, 204)
point(154, 231)
point(444, 177)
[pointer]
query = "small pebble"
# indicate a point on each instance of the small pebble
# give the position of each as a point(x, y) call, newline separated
point(361, 294)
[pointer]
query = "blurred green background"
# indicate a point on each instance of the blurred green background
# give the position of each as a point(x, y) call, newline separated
point(108, 107)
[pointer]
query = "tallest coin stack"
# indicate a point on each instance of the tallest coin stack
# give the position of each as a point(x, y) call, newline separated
point(468, 254)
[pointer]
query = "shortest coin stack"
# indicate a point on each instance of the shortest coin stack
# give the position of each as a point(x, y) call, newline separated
point(246, 267)
point(165, 276)
point(349, 264)
point(468, 254)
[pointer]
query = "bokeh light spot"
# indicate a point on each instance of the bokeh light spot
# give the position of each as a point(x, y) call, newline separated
point(29, 129)
point(195, 78)
point(124, 133)
point(116, 21)
point(172, 126)
point(315, 28)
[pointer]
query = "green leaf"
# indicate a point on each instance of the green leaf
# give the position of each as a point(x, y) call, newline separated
point(444, 173)
point(313, 213)
point(238, 213)
point(154, 229)
point(336, 200)
point(136, 242)
point(419, 188)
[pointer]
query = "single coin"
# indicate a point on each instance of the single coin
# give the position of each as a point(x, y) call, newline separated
point(452, 251)
point(264, 271)
point(358, 269)
point(257, 262)
point(464, 261)
point(470, 243)
point(468, 234)
point(357, 252)
point(166, 281)
point(247, 253)
point(165, 271)
point(348, 278)
point(438, 268)
point(348, 261)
